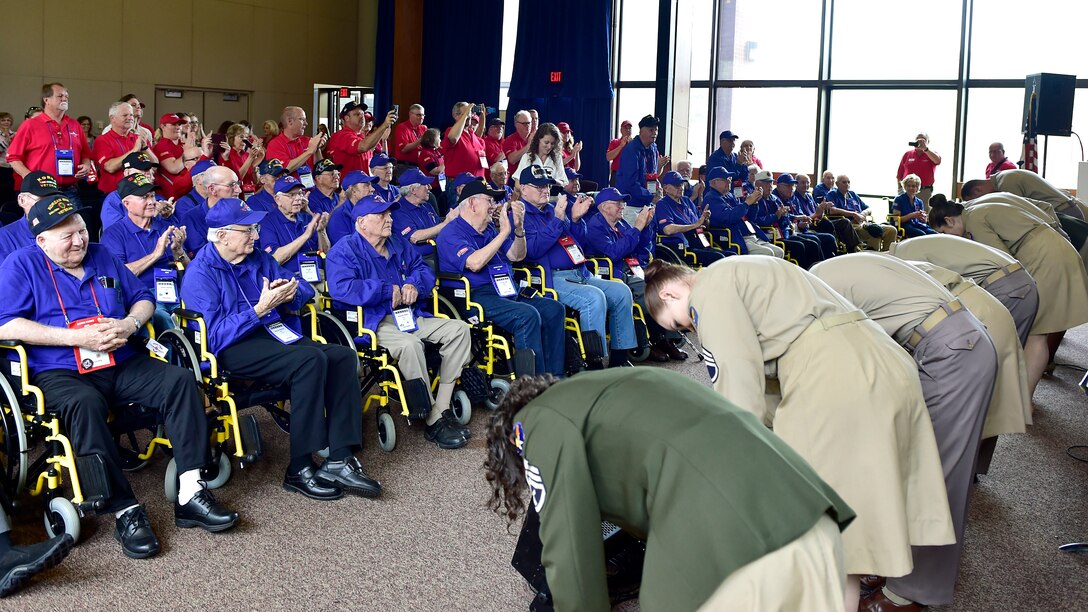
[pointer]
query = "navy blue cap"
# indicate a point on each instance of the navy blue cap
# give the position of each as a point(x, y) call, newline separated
point(381, 159)
point(415, 176)
point(271, 166)
point(786, 177)
point(672, 177)
point(232, 211)
point(718, 172)
point(537, 176)
point(609, 194)
point(50, 211)
point(371, 204)
point(571, 174)
point(286, 183)
point(201, 167)
point(649, 121)
point(463, 179)
point(355, 177)
point(727, 134)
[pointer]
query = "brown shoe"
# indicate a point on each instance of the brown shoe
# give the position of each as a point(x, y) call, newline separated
point(673, 352)
point(877, 601)
point(871, 583)
point(657, 353)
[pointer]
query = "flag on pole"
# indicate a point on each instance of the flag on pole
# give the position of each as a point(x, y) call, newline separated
point(1030, 155)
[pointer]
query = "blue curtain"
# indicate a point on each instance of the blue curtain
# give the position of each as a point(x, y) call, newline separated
point(383, 70)
point(462, 53)
point(581, 52)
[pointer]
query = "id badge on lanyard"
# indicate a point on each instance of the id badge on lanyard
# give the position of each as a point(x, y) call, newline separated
point(306, 176)
point(166, 286)
point(573, 251)
point(500, 279)
point(309, 269)
point(634, 267)
point(405, 320)
point(483, 160)
point(751, 228)
point(701, 233)
point(88, 360)
point(281, 332)
point(66, 165)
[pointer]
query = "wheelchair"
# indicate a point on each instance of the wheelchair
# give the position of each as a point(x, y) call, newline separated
point(775, 234)
point(602, 268)
point(37, 457)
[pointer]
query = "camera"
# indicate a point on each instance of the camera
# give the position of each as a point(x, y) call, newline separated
point(396, 109)
point(477, 109)
point(913, 143)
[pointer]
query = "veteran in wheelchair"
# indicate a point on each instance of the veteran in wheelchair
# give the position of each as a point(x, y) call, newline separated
point(76, 316)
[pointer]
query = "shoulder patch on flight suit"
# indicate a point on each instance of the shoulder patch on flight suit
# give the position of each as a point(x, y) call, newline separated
point(711, 364)
point(694, 316)
point(536, 485)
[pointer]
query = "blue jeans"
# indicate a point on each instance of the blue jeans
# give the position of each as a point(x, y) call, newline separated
point(160, 319)
point(536, 323)
point(595, 299)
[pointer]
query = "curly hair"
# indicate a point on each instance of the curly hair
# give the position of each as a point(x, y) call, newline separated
point(547, 129)
point(503, 467)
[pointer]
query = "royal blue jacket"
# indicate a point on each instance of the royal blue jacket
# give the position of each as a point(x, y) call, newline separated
point(619, 243)
point(360, 276)
point(764, 213)
point(459, 240)
point(726, 211)
point(409, 218)
point(542, 233)
point(636, 161)
point(277, 231)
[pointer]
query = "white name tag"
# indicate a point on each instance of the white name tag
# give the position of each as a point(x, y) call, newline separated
point(308, 269)
point(165, 291)
point(282, 333)
point(90, 360)
point(156, 348)
point(406, 321)
point(307, 180)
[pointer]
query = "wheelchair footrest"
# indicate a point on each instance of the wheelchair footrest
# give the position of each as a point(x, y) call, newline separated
point(474, 384)
point(418, 397)
point(93, 481)
point(525, 362)
point(251, 439)
point(594, 350)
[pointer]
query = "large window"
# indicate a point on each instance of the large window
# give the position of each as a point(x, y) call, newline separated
point(780, 122)
point(638, 40)
point(883, 40)
point(634, 104)
point(1011, 38)
point(759, 40)
point(698, 115)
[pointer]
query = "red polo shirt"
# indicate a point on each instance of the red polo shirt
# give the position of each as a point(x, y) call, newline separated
point(37, 141)
point(344, 150)
point(917, 163)
point(510, 144)
point(285, 150)
point(429, 159)
point(106, 147)
point(405, 134)
point(465, 155)
point(173, 185)
point(616, 143)
point(1004, 165)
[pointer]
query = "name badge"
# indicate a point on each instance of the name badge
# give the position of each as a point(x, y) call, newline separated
point(633, 265)
point(66, 165)
point(166, 286)
point(500, 279)
point(308, 268)
point(305, 176)
point(738, 192)
point(405, 320)
point(88, 360)
point(281, 332)
point(751, 228)
point(442, 181)
point(573, 251)
point(701, 233)
point(157, 349)
point(483, 161)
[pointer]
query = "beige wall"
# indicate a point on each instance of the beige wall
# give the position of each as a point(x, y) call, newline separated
point(103, 49)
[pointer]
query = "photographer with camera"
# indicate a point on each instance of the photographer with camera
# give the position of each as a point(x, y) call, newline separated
point(462, 146)
point(921, 161)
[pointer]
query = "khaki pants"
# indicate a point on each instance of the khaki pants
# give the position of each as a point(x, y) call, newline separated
point(806, 574)
point(407, 347)
point(876, 244)
point(760, 247)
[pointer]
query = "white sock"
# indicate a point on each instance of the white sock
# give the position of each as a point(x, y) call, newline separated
point(120, 512)
point(189, 486)
point(441, 401)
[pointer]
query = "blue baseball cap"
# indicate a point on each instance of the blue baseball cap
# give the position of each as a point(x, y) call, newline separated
point(727, 134)
point(371, 204)
point(286, 183)
point(786, 177)
point(271, 166)
point(232, 211)
point(571, 174)
point(463, 179)
point(414, 176)
point(355, 177)
point(718, 172)
point(537, 176)
point(201, 167)
point(381, 159)
point(672, 177)
point(609, 194)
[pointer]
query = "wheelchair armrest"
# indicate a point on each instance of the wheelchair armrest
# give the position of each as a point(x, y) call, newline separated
point(185, 313)
point(8, 343)
point(601, 267)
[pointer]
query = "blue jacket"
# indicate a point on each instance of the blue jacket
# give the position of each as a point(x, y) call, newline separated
point(764, 213)
point(636, 161)
point(850, 201)
point(129, 243)
point(802, 204)
point(542, 233)
point(113, 210)
point(359, 276)
point(726, 211)
point(620, 242)
point(262, 200)
point(819, 192)
point(340, 222)
point(459, 240)
point(277, 231)
point(903, 206)
point(670, 212)
point(719, 159)
point(14, 236)
point(319, 203)
point(409, 218)
point(225, 294)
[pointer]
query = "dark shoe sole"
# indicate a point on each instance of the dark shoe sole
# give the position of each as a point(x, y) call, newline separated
point(188, 523)
point(132, 554)
point(21, 574)
point(294, 489)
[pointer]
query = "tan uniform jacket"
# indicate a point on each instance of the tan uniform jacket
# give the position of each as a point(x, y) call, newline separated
point(967, 258)
point(1030, 185)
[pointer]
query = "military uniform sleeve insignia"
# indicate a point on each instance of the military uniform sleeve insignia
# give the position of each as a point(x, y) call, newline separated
point(536, 485)
point(711, 364)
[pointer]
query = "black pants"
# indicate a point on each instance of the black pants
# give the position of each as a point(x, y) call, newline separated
point(829, 246)
point(83, 402)
point(326, 405)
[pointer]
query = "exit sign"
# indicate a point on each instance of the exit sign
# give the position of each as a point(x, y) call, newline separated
point(344, 93)
point(555, 77)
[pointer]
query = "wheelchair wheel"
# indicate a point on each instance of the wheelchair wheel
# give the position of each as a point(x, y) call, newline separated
point(387, 432)
point(447, 308)
point(332, 330)
point(62, 517)
point(214, 477)
point(13, 462)
point(499, 388)
point(462, 407)
point(130, 449)
point(640, 354)
point(181, 352)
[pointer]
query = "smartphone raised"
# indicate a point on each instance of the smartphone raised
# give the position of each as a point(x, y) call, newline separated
point(396, 109)
point(477, 109)
point(913, 143)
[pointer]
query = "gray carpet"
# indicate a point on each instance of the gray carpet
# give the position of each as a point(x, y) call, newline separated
point(429, 543)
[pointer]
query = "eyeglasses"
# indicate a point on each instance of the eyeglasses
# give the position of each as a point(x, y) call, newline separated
point(230, 185)
point(522, 122)
point(302, 195)
point(254, 230)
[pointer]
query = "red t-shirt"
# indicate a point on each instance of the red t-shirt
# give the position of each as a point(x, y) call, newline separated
point(429, 159)
point(173, 185)
point(106, 147)
point(465, 155)
point(404, 134)
point(285, 150)
point(510, 144)
point(344, 150)
point(235, 161)
point(37, 142)
point(1004, 165)
point(616, 143)
point(917, 163)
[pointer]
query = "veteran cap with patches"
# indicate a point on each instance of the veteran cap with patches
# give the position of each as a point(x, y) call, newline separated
point(49, 212)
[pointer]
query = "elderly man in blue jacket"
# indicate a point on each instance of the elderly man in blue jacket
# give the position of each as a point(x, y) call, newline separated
point(374, 268)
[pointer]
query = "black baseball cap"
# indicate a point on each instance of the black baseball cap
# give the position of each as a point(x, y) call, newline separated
point(50, 211)
point(478, 187)
point(649, 121)
point(326, 165)
point(350, 106)
point(139, 161)
point(40, 184)
point(538, 176)
point(135, 184)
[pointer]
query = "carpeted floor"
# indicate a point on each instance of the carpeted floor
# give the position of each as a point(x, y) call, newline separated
point(429, 543)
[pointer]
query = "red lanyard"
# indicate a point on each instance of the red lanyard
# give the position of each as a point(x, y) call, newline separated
point(63, 310)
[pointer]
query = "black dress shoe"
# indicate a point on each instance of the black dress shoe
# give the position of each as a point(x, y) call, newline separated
point(350, 476)
point(456, 425)
point(203, 511)
point(133, 531)
point(19, 563)
point(305, 481)
point(658, 353)
point(673, 352)
point(444, 436)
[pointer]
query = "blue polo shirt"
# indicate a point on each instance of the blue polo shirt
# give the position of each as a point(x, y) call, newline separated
point(719, 159)
point(671, 212)
point(903, 206)
point(321, 203)
point(459, 240)
point(104, 277)
point(819, 192)
point(542, 233)
point(340, 222)
point(802, 204)
point(113, 210)
point(196, 229)
point(360, 276)
point(277, 231)
point(225, 294)
point(14, 236)
point(409, 218)
point(729, 212)
point(765, 214)
point(129, 242)
point(389, 194)
point(620, 242)
point(262, 200)
point(636, 161)
point(850, 201)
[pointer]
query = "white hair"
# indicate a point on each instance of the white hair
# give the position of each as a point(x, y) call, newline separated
point(523, 115)
point(213, 234)
point(117, 105)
